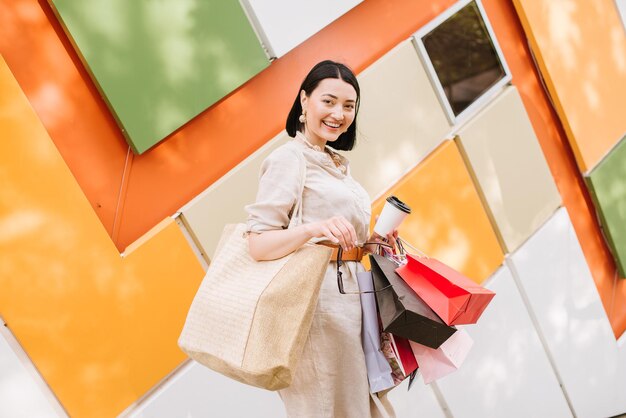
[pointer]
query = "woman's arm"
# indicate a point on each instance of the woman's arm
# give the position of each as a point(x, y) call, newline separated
point(270, 245)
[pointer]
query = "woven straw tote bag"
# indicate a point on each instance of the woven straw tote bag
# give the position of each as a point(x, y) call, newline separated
point(250, 319)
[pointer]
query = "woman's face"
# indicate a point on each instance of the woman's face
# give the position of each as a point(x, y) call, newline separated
point(330, 110)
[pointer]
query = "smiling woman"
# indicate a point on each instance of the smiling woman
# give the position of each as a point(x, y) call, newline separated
point(331, 378)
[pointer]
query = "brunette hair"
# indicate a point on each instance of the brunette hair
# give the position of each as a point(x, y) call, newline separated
point(322, 70)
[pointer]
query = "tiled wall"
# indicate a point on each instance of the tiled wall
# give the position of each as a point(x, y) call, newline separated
point(580, 49)
point(497, 196)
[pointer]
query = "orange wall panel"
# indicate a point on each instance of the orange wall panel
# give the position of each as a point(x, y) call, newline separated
point(60, 91)
point(447, 220)
point(580, 46)
point(100, 328)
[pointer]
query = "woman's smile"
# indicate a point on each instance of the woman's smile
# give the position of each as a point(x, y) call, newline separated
point(332, 125)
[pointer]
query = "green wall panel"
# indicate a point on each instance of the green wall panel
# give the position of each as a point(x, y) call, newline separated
point(607, 183)
point(159, 63)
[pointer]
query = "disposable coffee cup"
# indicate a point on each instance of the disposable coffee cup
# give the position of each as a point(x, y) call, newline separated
point(392, 216)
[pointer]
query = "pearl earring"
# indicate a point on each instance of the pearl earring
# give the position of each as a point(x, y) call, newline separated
point(302, 117)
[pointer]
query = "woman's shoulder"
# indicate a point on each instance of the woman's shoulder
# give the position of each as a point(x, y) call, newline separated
point(285, 157)
point(287, 152)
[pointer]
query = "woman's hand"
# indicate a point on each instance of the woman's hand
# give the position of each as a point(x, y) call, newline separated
point(336, 229)
point(390, 239)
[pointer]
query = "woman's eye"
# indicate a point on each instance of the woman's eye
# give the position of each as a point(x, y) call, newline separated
point(327, 101)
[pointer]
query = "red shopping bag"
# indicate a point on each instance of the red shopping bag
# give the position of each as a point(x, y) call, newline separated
point(455, 298)
point(405, 354)
point(399, 354)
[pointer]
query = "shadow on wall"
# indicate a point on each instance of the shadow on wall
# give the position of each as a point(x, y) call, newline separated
point(170, 53)
point(448, 221)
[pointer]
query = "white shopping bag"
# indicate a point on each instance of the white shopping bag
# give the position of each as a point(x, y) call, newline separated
point(378, 369)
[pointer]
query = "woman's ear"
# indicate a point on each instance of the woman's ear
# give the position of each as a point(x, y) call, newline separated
point(303, 99)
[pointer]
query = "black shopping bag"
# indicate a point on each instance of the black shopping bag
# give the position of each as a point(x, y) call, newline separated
point(402, 312)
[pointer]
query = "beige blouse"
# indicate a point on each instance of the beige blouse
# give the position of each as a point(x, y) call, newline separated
point(327, 191)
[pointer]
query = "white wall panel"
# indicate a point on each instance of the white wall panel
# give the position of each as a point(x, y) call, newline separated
point(552, 271)
point(400, 120)
point(23, 393)
point(505, 155)
point(419, 402)
point(621, 8)
point(197, 392)
point(507, 372)
point(283, 25)
point(224, 201)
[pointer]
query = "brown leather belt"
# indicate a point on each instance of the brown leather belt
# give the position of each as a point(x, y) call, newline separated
point(355, 254)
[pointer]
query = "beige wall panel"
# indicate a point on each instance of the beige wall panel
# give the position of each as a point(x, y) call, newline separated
point(502, 149)
point(400, 120)
point(223, 202)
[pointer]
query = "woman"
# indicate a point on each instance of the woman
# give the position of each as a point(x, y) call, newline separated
point(331, 378)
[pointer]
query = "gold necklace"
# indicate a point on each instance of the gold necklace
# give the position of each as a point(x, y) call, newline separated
point(335, 158)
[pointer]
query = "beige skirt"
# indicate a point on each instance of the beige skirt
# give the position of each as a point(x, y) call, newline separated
point(331, 378)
